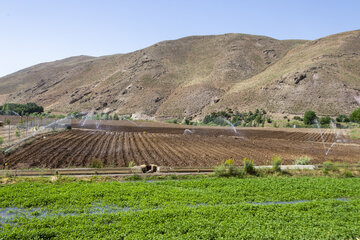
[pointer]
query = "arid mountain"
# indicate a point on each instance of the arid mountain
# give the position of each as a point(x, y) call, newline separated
point(193, 76)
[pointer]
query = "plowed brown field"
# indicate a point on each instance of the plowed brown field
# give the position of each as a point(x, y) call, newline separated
point(117, 143)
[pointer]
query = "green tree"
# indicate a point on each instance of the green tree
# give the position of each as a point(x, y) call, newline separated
point(115, 117)
point(325, 120)
point(309, 117)
point(17, 133)
point(355, 115)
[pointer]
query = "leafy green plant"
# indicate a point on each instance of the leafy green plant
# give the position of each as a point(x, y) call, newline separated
point(355, 115)
point(276, 163)
point(131, 164)
point(17, 133)
point(298, 118)
point(329, 166)
point(175, 121)
point(249, 167)
point(347, 174)
point(325, 120)
point(342, 118)
point(1, 140)
point(96, 163)
point(227, 169)
point(303, 160)
point(309, 117)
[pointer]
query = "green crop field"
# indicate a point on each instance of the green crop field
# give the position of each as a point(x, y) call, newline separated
point(203, 208)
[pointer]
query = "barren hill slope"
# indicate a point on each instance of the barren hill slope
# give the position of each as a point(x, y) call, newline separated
point(322, 75)
point(196, 75)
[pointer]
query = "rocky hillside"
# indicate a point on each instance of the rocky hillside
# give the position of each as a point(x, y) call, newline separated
point(195, 75)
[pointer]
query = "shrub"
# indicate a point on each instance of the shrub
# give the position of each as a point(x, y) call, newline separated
point(131, 164)
point(172, 121)
point(17, 133)
point(309, 117)
point(96, 163)
point(347, 174)
point(1, 141)
point(355, 115)
point(276, 163)
point(115, 117)
point(325, 120)
point(249, 166)
point(22, 109)
point(186, 121)
point(329, 166)
point(303, 160)
point(342, 118)
point(227, 169)
point(220, 171)
point(298, 118)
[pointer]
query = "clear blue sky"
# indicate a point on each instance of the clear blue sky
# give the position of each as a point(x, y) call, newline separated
point(35, 31)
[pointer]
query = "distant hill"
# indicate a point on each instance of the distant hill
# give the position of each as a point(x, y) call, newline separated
point(193, 76)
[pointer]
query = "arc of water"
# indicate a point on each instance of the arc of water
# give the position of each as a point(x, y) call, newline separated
point(98, 124)
point(333, 144)
point(232, 125)
point(87, 117)
point(333, 126)
point(187, 131)
point(321, 135)
point(34, 133)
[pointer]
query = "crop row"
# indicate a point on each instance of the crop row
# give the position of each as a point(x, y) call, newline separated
point(209, 208)
point(173, 193)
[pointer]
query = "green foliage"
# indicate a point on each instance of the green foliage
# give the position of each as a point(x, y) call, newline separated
point(21, 109)
point(227, 169)
point(276, 163)
point(249, 167)
point(174, 121)
point(1, 140)
point(347, 174)
point(96, 163)
point(115, 117)
point(329, 166)
point(17, 133)
point(309, 117)
point(131, 164)
point(187, 121)
point(355, 115)
point(342, 118)
point(248, 119)
point(191, 209)
point(229, 162)
point(303, 160)
point(325, 120)
point(298, 118)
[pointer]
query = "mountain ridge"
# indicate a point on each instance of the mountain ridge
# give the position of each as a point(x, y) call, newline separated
point(192, 76)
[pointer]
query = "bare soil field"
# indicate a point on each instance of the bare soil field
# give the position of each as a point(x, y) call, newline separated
point(117, 143)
